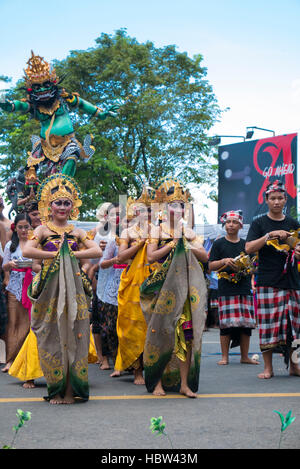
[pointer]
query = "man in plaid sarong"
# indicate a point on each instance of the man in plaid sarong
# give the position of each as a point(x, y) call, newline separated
point(278, 281)
point(235, 301)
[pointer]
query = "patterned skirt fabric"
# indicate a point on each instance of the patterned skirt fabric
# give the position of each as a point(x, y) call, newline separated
point(60, 294)
point(105, 323)
point(236, 311)
point(3, 312)
point(278, 316)
point(173, 300)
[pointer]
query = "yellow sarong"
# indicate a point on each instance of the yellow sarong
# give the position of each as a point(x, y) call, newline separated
point(26, 365)
point(92, 357)
point(131, 324)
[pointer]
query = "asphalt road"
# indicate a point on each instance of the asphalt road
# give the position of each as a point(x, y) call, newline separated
point(234, 410)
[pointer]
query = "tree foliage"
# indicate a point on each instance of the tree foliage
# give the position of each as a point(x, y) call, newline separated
point(167, 107)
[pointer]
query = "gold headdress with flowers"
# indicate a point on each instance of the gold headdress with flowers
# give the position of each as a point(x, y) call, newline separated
point(146, 198)
point(39, 71)
point(169, 190)
point(54, 187)
point(164, 194)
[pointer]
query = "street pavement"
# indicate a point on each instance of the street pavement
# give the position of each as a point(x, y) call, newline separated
point(234, 410)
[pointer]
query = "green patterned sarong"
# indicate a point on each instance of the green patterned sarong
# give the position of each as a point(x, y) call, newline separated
point(174, 293)
point(60, 295)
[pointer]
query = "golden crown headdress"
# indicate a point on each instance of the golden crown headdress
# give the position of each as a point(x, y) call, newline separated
point(38, 70)
point(58, 186)
point(170, 189)
point(147, 197)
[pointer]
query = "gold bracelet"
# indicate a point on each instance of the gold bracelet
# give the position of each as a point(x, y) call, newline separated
point(71, 100)
point(121, 241)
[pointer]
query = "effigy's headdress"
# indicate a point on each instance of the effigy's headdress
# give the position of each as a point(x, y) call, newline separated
point(146, 198)
point(31, 176)
point(234, 215)
point(58, 186)
point(39, 71)
point(276, 186)
point(170, 189)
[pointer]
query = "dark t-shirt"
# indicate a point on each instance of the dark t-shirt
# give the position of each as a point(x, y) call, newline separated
point(222, 248)
point(271, 262)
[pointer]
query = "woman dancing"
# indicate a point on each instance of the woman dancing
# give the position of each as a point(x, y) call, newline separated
point(131, 325)
point(173, 300)
point(61, 292)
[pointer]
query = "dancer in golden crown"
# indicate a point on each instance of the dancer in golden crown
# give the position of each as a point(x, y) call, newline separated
point(131, 325)
point(61, 324)
point(173, 298)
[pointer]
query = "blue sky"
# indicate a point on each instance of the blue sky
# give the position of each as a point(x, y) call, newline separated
point(250, 49)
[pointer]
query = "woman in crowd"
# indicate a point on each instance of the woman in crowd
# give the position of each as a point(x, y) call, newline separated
point(108, 306)
point(18, 275)
point(101, 234)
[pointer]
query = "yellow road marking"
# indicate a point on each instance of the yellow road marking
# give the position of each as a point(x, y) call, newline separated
point(170, 396)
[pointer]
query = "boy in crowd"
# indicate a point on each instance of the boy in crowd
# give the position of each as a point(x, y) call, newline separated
point(236, 309)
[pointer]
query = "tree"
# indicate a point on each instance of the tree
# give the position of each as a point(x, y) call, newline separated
point(167, 108)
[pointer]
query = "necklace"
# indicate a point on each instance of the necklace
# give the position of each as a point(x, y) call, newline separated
point(46, 110)
point(59, 229)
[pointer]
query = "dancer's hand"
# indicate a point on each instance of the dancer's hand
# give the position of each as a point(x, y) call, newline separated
point(189, 234)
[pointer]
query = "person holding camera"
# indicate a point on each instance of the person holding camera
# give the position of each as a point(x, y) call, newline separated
point(18, 275)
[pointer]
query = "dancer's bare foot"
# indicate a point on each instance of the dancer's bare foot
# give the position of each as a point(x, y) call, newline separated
point(138, 377)
point(224, 361)
point(69, 400)
point(105, 364)
point(115, 374)
point(29, 384)
point(6, 368)
point(56, 400)
point(159, 391)
point(266, 375)
point(186, 391)
point(249, 361)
